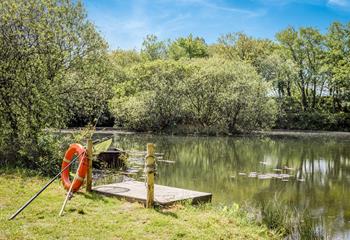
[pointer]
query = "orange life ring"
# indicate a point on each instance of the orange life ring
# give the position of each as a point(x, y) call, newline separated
point(74, 149)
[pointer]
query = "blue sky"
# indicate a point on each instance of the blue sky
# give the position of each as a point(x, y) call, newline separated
point(124, 23)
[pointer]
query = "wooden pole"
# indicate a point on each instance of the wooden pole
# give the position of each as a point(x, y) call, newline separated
point(150, 169)
point(69, 191)
point(38, 193)
point(89, 173)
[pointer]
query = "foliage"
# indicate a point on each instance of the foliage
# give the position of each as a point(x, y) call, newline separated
point(124, 58)
point(240, 46)
point(53, 65)
point(152, 49)
point(281, 71)
point(337, 65)
point(315, 121)
point(305, 48)
point(150, 98)
point(188, 47)
point(318, 77)
point(226, 95)
point(229, 94)
point(307, 72)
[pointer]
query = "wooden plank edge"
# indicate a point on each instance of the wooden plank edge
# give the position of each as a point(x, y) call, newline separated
point(207, 198)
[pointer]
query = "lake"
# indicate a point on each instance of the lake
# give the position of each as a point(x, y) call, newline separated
point(317, 170)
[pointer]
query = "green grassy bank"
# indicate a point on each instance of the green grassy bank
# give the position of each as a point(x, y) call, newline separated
point(91, 216)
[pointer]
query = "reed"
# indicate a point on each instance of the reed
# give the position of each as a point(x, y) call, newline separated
point(290, 222)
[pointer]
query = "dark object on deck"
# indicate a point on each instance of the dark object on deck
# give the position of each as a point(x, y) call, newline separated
point(163, 195)
point(113, 158)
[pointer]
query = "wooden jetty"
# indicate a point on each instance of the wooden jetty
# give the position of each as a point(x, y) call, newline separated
point(146, 192)
point(136, 191)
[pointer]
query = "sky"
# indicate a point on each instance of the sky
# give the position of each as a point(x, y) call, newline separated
point(125, 23)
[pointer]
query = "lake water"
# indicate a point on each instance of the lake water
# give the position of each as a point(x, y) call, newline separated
point(319, 169)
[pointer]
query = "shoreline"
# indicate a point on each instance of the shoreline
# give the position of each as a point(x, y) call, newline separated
point(269, 133)
point(303, 133)
point(117, 219)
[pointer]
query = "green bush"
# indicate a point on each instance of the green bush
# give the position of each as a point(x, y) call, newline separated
point(205, 94)
point(149, 98)
point(43, 153)
point(314, 121)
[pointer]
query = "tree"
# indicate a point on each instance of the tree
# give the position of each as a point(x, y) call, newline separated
point(337, 63)
point(153, 49)
point(281, 71)
point(188, 47)
point(51, 60)
point(306, 48)
point(229, 95)
point(208, 94)
point(240, 46)
point(150, 99)
point(124, 58)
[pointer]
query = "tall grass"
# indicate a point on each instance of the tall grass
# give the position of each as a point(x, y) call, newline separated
point(288, 221)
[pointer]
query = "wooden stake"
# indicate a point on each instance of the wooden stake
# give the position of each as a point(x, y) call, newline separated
point(69, 191)
point(89, 173)
point(150, 169)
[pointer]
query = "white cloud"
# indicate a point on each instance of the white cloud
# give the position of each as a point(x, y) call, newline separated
point(216, 6)
point(339, 3)
point(248, 13)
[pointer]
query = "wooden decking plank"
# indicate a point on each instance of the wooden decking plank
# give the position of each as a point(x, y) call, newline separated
point(164, 195)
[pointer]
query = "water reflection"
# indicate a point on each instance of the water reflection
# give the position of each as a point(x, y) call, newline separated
point(213, 164)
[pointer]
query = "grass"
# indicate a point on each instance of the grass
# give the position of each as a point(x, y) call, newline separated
point(289, 222)
point(91, 216)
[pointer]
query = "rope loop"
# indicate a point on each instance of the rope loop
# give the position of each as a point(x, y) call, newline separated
point(150, 168)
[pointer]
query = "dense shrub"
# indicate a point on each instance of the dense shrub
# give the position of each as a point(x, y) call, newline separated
point(314, 121)
point(209, 94)
point(149, 99)
point(44, 153)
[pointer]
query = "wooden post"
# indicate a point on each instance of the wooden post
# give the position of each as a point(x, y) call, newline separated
point(149, 170)
point(69, 191)
point(89, 173)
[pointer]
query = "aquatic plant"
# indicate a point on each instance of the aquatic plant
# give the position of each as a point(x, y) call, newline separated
point(289, 222)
